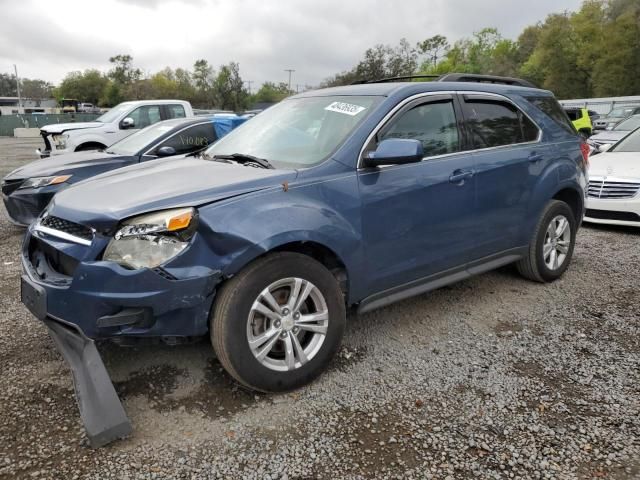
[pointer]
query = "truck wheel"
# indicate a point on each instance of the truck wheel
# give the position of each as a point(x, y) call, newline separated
point(277, 324)
point(551, 246)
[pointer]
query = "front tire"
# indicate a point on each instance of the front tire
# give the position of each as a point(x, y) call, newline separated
point(551, 247)
point(277, 324)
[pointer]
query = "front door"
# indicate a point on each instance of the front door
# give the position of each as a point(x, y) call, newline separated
point(416, 218)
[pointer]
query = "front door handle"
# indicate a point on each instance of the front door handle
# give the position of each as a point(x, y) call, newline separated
point(535, 157)
point(459, 176)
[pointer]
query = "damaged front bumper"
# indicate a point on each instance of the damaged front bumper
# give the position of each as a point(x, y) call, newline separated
point(84, 300)
point(102, 413)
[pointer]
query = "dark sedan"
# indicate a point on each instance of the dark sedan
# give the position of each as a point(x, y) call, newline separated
point(27, 190)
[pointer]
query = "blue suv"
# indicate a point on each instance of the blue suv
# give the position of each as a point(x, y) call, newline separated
point(348, 197)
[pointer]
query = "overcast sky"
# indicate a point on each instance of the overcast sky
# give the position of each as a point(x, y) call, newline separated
point(317, 38)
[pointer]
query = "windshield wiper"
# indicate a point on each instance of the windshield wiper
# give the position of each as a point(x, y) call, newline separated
point(245, 159)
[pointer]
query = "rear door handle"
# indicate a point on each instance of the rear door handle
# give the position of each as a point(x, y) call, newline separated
point(459, 176)
point(535, 157)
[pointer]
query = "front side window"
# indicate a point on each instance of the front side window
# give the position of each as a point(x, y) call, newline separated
point(434, 124)
point(145, 116)
point(629, 124)
point(113, 114)
point(298, 132)
point(573, 115)
point(175, 111)
point(140, 140)
point(630, 143)
point(190, 139)
point(621, 112)
point(496, 123)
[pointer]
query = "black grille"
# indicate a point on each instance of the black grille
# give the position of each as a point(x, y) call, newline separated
point(10, 186)
point(612, 215)
point(49, 264)
point(66, 226)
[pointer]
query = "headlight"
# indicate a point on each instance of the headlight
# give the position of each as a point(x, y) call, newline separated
point(153, 239)
point(37, 182)
point(60, 141)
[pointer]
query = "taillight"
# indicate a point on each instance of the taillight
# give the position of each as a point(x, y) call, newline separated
point(584, 148)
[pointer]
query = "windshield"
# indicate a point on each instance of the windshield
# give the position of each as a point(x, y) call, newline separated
point(113, 114)
point(297, 133)
point(139, 140)
point(629, 124)
point(620, 112)
point(630, 143)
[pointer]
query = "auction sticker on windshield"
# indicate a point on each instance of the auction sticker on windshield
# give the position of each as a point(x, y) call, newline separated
point(346, 108)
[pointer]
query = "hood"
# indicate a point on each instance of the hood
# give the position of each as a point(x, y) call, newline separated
point(102, 201)
point(622, 165)
point(63, 127)
point(64, 164)
point(609, 136)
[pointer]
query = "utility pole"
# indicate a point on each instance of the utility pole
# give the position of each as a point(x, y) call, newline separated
point(18, 85)
point(290, 70)
point(249, 82)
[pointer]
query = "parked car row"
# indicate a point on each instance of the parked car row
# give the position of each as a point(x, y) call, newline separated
point(28, 190)
point(349, 197)
point(116, 124)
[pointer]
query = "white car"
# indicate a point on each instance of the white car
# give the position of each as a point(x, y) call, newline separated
point(118, 123)
point(614, 184)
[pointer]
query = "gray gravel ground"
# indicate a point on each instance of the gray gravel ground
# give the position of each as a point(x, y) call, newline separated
point(495, 377)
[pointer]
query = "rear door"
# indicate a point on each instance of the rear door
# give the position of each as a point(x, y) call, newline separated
point(416, 218)
point(508, 158)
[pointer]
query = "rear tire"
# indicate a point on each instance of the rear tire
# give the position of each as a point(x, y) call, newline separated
point(278, 323)
point(551, 247)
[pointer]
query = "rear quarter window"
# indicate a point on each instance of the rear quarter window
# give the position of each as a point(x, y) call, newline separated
point(550, 106)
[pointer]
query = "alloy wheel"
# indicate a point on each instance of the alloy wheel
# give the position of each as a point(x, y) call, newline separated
point(287, 324)
point(557, 241)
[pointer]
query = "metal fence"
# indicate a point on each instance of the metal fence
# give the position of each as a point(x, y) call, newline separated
point(601, 106)
point(9, 122)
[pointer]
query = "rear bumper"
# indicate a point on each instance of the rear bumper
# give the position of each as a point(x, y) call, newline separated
point(107, 301)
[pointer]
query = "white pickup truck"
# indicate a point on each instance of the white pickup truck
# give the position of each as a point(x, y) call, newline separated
point(118, 123)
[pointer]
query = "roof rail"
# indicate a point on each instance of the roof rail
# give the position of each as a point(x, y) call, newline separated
point(395, 79)
point(456, 77)
point(472, 77)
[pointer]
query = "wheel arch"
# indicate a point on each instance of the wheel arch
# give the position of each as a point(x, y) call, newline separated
point(314, 248)
point(88, 145)
point(571, 197)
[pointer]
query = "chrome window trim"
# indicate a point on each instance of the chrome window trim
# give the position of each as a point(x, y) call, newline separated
point(173, 135)
point(62, 235)
point(407, 100)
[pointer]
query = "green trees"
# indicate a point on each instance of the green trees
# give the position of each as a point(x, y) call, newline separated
point(201, 86)
point(87, 86)
point(589, 53)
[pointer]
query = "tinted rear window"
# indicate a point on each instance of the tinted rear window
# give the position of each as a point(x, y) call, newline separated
point(552, 108)
point(495, 123)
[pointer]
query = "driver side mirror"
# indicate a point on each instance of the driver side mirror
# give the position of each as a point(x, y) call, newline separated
point(127, 123)
point(395, 151)
point(166, 151)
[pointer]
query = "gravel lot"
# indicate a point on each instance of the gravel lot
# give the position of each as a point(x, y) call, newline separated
point(495, 377)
